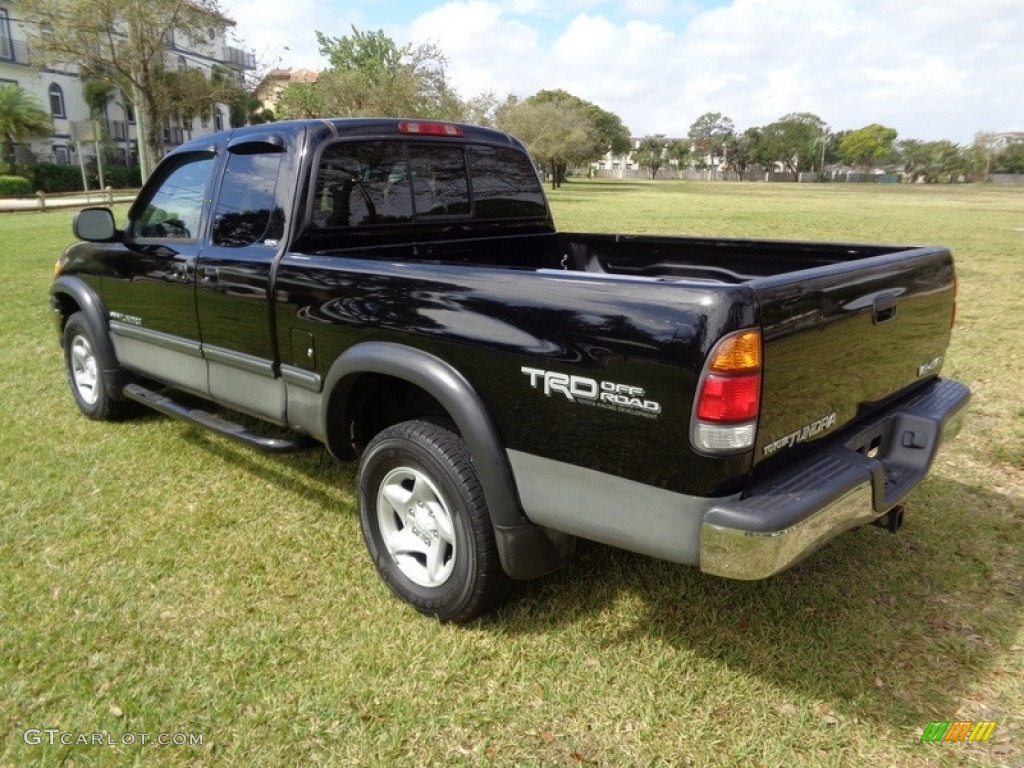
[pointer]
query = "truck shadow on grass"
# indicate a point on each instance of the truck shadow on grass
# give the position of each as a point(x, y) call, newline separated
point(897, 629)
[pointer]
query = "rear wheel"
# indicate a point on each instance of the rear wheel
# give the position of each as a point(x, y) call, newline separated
point(85, 364)
point(426, 524)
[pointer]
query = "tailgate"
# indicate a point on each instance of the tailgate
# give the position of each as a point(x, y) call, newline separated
point(842, 339)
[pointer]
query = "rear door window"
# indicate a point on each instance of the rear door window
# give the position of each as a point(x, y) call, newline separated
point(362, 184)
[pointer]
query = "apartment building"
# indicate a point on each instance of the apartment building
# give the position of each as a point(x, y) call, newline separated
point(59, 89)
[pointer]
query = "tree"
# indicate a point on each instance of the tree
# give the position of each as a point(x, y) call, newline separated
point(480, 109)
point(651, 153)
point(746, 152)
point(999, 152)
point(914, 156)
point(1011, 159)
point(679, 151)
point(299, 100)
point(936, 162)
point(794, 140)
point(614, 134)
point(866, 146)
point(557, 135)
point(610, 133)
point(123, 43)
point(709, 135)
point(371, 75)
point(21, 116)
point(562, 131)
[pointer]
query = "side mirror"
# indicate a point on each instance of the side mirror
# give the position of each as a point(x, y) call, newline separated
point(95, 225)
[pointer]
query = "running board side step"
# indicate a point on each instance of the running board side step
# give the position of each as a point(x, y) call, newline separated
point(229, 429)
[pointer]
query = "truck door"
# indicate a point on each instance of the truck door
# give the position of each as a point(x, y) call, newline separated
point(233, 278)
point(150, 291)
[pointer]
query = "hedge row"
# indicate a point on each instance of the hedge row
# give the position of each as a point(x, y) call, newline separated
point(15, 186)
point(51, 177)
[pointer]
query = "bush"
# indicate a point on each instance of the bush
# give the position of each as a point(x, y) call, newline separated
point(50, 177)
point(116, 177)
point(15, 186)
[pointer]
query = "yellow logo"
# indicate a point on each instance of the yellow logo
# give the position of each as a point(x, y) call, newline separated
point(958, 730)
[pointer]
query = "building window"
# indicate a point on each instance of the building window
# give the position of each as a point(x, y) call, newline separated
point(6, 44)
point(57, 101)
point(62, 155)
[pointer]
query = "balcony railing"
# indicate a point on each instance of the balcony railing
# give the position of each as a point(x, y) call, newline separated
point(174, 135)
point(118, 130)
point(238, 57)
point(13, 51)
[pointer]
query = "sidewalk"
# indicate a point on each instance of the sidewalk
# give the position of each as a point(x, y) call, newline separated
point(67, 200)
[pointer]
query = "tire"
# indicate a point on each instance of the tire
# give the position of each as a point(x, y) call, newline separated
point(426, 524)
point(85, 363)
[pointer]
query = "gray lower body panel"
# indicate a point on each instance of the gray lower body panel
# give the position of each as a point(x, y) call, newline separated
point(609, 509)
point(166, 358)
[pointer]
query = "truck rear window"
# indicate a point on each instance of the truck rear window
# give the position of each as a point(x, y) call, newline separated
point(368, 183)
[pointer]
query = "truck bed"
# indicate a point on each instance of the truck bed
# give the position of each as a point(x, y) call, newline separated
point(846, 327)
point(717, 260)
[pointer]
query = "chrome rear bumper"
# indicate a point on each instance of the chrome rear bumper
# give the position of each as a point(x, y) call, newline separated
point(832, 489)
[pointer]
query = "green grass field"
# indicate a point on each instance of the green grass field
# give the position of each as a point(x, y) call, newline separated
point(155, 579)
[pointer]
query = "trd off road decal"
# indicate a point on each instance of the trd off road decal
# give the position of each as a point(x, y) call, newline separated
point(623, 398)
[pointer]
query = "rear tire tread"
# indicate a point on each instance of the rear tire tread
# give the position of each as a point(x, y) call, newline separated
point(486, 584)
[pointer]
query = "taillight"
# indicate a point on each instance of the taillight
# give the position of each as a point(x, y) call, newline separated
point(729, 396)
point(423, 128)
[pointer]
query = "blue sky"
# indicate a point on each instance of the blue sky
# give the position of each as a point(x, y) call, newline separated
point(939, 70)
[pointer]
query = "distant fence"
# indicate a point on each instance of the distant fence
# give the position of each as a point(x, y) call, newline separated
point(852, 177)
point(847, 177)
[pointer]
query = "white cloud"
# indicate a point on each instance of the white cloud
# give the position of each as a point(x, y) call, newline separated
point(482, 45)
point(944, 69)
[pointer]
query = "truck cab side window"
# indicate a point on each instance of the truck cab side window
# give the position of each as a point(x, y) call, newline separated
point(174, 209)
point(246, 212)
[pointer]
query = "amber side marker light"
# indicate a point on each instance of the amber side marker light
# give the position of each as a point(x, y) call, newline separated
point(738, 353)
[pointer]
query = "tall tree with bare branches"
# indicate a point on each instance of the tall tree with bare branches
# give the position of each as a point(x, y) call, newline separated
point(124, 43)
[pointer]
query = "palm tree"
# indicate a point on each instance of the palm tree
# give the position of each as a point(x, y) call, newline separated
point(21, 116)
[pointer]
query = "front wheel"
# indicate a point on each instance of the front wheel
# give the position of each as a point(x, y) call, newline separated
point(85, 363)
point(426, 524)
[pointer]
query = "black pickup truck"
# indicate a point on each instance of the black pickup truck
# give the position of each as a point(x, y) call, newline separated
point(397, 290)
